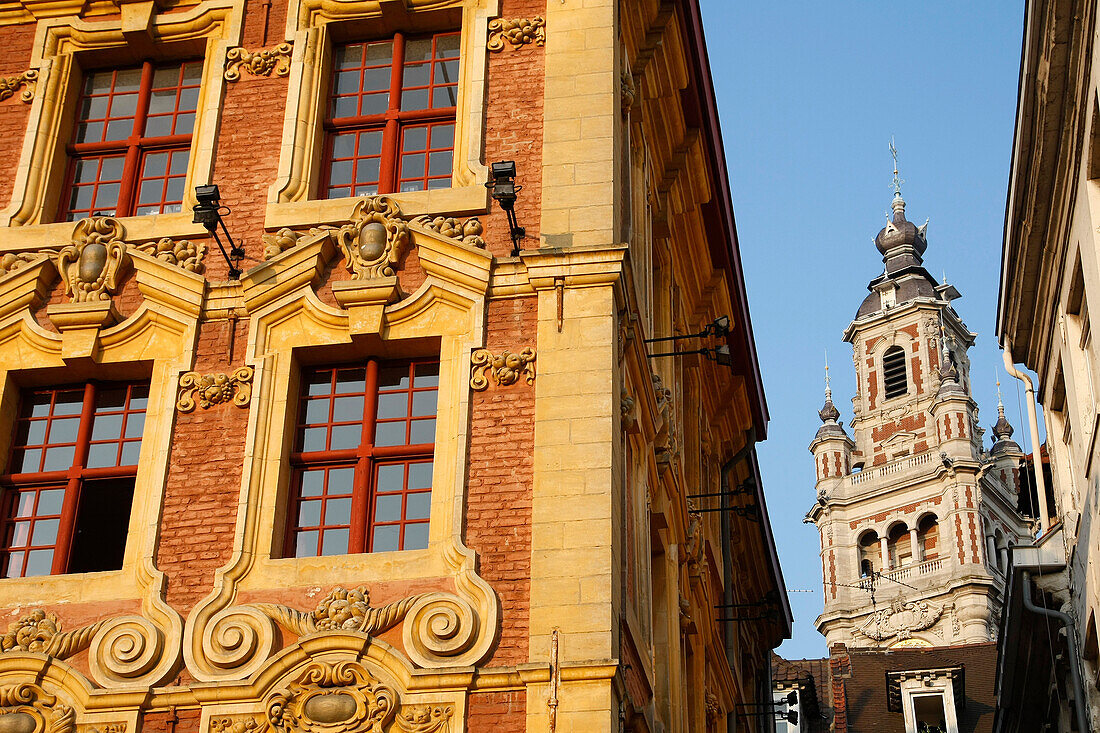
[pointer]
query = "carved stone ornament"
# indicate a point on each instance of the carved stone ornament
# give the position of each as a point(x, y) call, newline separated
point(504, 369)
point(713, 707)
point(93, 264)
point(340, 610)
point(208, 390)
point(332, 698)
point(231, 725)
point(468, 232)
point(376, 240)
point(424, 718)
point(27, 708)
point(627, 91)
point(257, 63)
point(10, 85)
point(517, 31)
point(279, 242)
point(95, 261)
point(108, 728)
point(901, 619)
point(40, 631)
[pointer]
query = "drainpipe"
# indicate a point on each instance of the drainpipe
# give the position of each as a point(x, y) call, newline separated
point(1033, 422)
point(727, 553)
point(1071, 641)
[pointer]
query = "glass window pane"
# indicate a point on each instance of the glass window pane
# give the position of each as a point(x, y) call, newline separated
point(416, 536)
point(340, 480)
point(313, 439)
point(335, 542)
point(418, 49)
point(414, 138)
point(316, 412)
point(366, 171)
point(446, 72)
point(396, 377)
point(178, 166)
point(343, 146)
point(39, 562)
point(130, 454)
point(346, 82)
point(45, 532)
point(345, 107)
point(113, 398)
point(416, 75)
point(158, 126)
point(374, 104)
point(420, 475)
point(440, 164)
point(135, 425)
point(418, 506)
point(31, 432)
point(351, 381)
point(426, 375)
point(389, 433)
point(111, 168)
point(412, 165)
point(446, 45)
point(21, 532)
point(346, 409)
point(65, 430)
point(119, 129)
point(49, 502)
point(309, 514)
point(379, 52)
point(127, 81)
point(105, 427)
point(93, 108)
point(377, 79)
point(29, 461)
point(98, 82)
point(337, 511)
point(89, 132)
point(346, 436)
point(340, 173)
point(59, 459)
point(348, 56)
point(318, 383)
point(156, 164)
point(70, 402)
point(424, 403)
point(414, 99)
point(393, 405)
point(14, 567)
point(390, 478)
point(387, 508)
point(101, 455)
point(189, 100)
point(25, 505)
point(305, 544)
point(445, 97)
point(40, 404)
point(192, 73)
point(370, 143)
point(123, 105)
point(385, 538)
point(162, 101)
point(313, 483)
point(423, 431)
point(166, 76)
point(106, 198)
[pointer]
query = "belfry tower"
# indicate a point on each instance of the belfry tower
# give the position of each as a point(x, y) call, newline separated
point(915, 515)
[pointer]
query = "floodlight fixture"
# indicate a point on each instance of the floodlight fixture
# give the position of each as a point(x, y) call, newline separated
point(208, 212)
point(503, 189)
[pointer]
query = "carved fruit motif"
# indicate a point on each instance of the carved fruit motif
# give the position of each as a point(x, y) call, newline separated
point(17, 723)
point(372, 241)
point(331, 708)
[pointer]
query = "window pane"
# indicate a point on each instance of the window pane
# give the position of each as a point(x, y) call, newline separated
point(346, 436)
point(416, 536)
point(418, 506)
point(426, 375)
point(393, 405)
point(64, 430)
point(306, 544)
point(423, 431)
point(59, 459)
point(313, 483)
point(340, 480)
point(390, 434)
point(337, 511)
point(335, 542)
point(387, 508)
point(391, 477)
point(39, 562)
point(420, 475)
point(393, 378)
point(385, 538)
point(105, 427)
point(102, 455)
point(309, 514)
point(49, 502)
point(45, 532)
point(127, 81)
point(346, 409)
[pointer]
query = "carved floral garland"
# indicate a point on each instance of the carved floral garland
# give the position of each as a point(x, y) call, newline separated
point(516, 31)
point(503, 369)
point(215, 389)
point(257, 63)
point(900, 620)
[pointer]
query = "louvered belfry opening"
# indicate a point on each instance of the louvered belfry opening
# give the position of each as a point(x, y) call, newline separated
point(893, 372)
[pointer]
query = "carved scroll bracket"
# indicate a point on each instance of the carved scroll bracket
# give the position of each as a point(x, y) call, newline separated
point(9, 85)
point(503, 369)
point(208, 390)
point(257, 63)
point(516, 31)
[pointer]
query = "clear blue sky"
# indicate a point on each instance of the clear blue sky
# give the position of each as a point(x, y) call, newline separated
point(809, 94)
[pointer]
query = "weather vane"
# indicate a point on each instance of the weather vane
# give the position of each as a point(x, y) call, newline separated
point(897, 181)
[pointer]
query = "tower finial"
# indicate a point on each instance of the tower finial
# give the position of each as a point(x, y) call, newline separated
point(828, 387)
point(897, 180)
point(1000, 403)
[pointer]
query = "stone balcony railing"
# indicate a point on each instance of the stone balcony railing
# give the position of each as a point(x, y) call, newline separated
point(902, 465)
point(909, 571)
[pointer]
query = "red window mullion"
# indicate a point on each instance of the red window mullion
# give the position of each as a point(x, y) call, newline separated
point(358, 541)
point(131, 172)
point(67, 524)
point(387, 179)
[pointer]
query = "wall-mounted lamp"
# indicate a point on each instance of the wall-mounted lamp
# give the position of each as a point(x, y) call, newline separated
point(720, 354)
point(208, 212)
point(719, 328)
point(503, 189)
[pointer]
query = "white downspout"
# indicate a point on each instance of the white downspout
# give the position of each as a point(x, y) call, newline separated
point(1033, 422)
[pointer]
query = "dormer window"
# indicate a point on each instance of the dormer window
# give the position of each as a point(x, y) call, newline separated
point(893, 372)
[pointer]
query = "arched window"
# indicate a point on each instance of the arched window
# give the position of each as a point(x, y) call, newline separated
point(893, 372)
point(870, 554)
point(900, 545)
point(928, 532)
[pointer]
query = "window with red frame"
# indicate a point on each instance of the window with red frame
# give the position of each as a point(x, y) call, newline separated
point(69, 484)
point(362, 478)
point(391, 119)
point(132, 141)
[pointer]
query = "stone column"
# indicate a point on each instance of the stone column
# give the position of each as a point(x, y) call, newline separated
point(991, 549)
point(884, 547)
point(914, 546)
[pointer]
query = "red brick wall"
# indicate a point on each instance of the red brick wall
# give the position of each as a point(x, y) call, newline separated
point(513, 123)
point(173, 721)
point(205, 462)
point(498, 514)
point(16, 41)
point(497, 712)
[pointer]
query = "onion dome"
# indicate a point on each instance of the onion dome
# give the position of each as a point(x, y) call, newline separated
point(1002, 431)
point(831, 427)
point(901, 242)
point(949, 372)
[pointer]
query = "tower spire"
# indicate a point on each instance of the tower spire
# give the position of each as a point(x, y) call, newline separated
point(897, 180)
point(828, 387)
